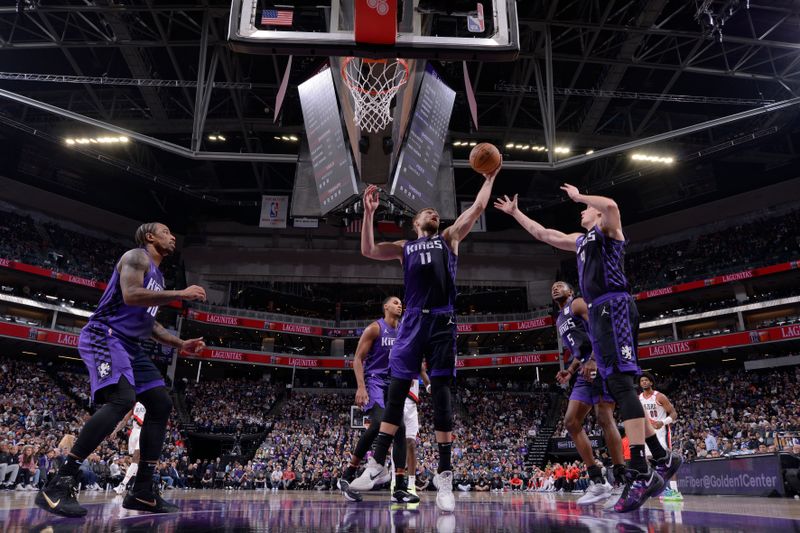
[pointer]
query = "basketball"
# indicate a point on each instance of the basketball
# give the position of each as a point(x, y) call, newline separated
point(484, 158)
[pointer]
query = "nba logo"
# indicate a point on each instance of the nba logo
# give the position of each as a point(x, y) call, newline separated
point(476, 23)
point(754, 337)
point(501, 326)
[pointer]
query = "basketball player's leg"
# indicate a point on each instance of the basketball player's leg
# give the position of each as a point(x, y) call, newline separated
point(111, 379)
point(604, 410)
point(152, 393)
point(614, 324)
point(580, 403)
point(411, 421)
point(365, 442)
point(133, 449)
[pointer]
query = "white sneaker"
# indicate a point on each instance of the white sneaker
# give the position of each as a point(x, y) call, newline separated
point(374, 474)
point(20, 487)
point(595, 493)
point(443, 481)
point(616, 492)
point(119, 489)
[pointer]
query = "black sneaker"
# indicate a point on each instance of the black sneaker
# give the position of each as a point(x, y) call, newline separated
point(60, 496)
point(348, 493)
point(149, 500)
point(403, 496)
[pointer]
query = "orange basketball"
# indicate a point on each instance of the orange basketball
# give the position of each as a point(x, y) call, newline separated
point(484, 158)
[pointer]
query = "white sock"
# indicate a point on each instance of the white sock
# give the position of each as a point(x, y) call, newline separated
point(673, 485)
point(130, 473)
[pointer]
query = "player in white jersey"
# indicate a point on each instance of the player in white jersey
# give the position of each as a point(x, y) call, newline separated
point(136, 415)
point(411, 421)
point(661, 414)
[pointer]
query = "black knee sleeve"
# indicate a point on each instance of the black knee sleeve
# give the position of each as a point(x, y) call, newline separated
point(623, 390)
point(158, 406)
point(118, 400)
point(442, 404)
point(157, 403)
point(395, 399)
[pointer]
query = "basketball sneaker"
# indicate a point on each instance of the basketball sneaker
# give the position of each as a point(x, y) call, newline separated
point(404, 496)
point(149, 500)
point(595, 493)
point(639, 486)
point(60, 496)
point(667, 466)
point(348, 493)
point(616, 492)
point(443, 481)
point(374, 474)
point(671, 495)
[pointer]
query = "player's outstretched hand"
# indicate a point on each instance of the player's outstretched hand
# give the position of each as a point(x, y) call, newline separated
point(193, 346)
point(372, 199)
point(563, 377)
point(192, 293)
point(572, 191)
point(362, 397)
point(492, 175)
point(506, 204)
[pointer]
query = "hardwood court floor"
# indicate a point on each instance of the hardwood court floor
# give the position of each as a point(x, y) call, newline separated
point(228, 511)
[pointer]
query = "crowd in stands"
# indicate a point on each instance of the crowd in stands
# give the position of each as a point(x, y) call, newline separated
point(230, 405)
point(42, 409)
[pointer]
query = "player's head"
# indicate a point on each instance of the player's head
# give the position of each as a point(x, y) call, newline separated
point(392, 307)
point(647, 381)
point(156, 234)
point(561, 291)
point(426, 221)
point(590, 217)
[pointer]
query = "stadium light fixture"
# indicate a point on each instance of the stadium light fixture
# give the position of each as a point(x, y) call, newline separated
point(105, 139)
point(684, 364)
point(649, 158)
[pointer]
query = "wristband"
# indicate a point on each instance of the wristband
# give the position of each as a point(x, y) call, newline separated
point(667, 421)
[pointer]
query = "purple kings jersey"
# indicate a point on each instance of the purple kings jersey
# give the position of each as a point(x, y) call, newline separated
point(574, 333)
point(377, 361)
point(601, 264)
point(131, 322)
point(429, 274)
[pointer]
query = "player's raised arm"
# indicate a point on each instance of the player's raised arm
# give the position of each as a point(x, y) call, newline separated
point(132, 267)
point(549, 236)
point(368, 337)
point(610, 222)
point(466, 221)
point(384, 251)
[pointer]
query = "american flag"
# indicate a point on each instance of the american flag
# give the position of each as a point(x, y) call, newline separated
point(277, 17)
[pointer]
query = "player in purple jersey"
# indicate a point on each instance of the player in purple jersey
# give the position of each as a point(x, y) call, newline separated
point(428, 329)
point(614, 325)
point(589, 391)
point(371, 367)
point(120, 374)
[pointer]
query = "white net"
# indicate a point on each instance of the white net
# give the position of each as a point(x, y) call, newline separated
point(373, 83)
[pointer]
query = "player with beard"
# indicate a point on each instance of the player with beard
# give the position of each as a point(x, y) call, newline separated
point(588, 391)
point(121, 373)
point(614, 327)
point(428, 330)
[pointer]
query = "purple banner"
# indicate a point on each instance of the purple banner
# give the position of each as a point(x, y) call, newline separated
point(749, 475)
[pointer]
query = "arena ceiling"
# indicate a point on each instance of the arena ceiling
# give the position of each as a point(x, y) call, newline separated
point(622, 70)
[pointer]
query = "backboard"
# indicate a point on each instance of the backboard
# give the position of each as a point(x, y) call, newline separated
point(450, 30)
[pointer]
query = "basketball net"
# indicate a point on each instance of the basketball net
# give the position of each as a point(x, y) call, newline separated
point(372, 84)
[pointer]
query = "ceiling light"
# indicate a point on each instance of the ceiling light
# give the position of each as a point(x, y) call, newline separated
point(683, 364)
point(29, 353)
point(104, 139)
point(473, 143)
point(517, 146)
point(731, 359)
point(285, 138)
point(562, 150)
point(212, 137)
point(221, 137)
point(293, 137)
point(589, 152)
point(526, 147)
point(510, 145)
point(648, 158)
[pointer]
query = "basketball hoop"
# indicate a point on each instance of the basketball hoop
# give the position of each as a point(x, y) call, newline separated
point(372, 84)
